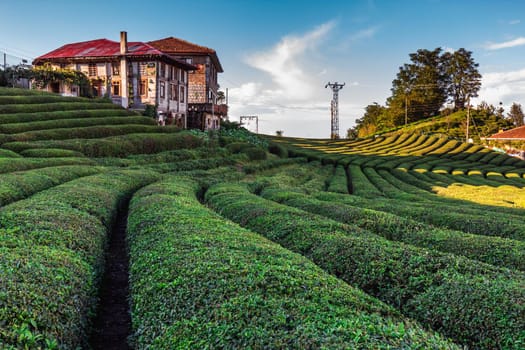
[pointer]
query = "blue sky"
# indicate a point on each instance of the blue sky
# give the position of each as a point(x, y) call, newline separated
point(278, 55)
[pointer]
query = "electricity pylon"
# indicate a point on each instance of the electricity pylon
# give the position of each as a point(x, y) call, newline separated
point(334, 110)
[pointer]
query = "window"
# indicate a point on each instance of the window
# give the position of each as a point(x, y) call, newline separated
point(142, 68)
point(115, 68)
point(143, 87)
point(115, 88)
point(174, 92)
point(92, 70)
point(162, 88)
point(182, 94)
point(162, 70)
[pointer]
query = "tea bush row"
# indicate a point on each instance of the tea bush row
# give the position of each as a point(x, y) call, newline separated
point(56, 106)
point(8, 165)
point(58, 115)
point(492, 250)
point(18, 185)
point(475, 304)
point(16, 128)
point(200, 281)
point(117, 146)
point(51, 257)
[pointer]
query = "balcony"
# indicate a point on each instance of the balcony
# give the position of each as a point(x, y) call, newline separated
point(220, 110)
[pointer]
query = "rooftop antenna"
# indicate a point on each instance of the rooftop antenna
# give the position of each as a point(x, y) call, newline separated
point(334, 108)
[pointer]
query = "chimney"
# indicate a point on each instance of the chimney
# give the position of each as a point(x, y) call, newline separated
point(123, 43)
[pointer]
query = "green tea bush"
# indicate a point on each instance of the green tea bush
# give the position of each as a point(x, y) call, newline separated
point(89, 132)
point(58, 115)
point(51, 255)
point(55, 106)
point(270, 164)
point(19, 185)
point(338, 183)
point(50, 153)
point(117, 146)
point(278, 149)
point(492, 250)
point(237, 147)
point(15, 128)
point(426, 285)
point(254, 153)
point(200, 281)
point(5, 153)
point(32, 99)
point(8, 165)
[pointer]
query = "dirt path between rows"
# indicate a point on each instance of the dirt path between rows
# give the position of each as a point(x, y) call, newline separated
point(112, 324)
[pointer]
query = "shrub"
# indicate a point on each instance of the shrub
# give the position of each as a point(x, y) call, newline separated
point(5, 153)
point(51, 255)
point(278, 150)
point(117, 146)
point(254, 153)
point(237, 147)
point(50, 153)
point(200, 281)
point(423, 284)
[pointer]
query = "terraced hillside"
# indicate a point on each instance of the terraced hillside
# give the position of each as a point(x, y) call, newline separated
point(235, 241)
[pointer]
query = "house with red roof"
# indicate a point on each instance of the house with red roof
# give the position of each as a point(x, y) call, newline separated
point(204, 110)
point(132, 74)
point(512, 140)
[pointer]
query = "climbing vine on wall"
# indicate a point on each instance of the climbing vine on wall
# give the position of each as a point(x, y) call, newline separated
point(46, 74)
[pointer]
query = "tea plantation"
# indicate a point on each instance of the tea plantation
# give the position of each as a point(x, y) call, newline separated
point(243, 242)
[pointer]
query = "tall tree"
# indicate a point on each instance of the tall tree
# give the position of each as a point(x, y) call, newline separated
point(462, 78)
point(419, 87)
point(516, 115)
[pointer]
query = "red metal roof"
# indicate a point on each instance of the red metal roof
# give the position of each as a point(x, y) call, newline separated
point(100, 48)
point(512, 134)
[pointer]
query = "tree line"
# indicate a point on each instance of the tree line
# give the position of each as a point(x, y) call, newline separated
point(421, 89)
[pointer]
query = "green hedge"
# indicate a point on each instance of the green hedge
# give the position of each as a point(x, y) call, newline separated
point(58, 115)
point(10, 91)
point(55, 106)
point(90, 132)
point(199, 281)
point(18, 185)
point(33, 99)
point(5, 153)
point(8, 165)
point(475, 304)
point(71, 124)
point(492, 250)
point(117, 146)
point(338, 182)
point(51, 256)
point(50, 153)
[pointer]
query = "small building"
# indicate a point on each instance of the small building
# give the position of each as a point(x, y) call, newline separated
point(204, 110)
point(512, 141)
point(132, 74)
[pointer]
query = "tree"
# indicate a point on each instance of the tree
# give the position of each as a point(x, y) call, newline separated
point(375, 119)
point(462, 78)
point(419, 89)
point(516, 115)
point(220, 97)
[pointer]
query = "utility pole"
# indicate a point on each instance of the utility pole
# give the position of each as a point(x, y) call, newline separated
point(468, 117)
point(335, 108)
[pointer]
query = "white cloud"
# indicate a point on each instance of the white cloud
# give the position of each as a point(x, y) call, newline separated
point(515, 21)
point(505, 87)
point(284, 63)
point(506, 44)
point(364, 33)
